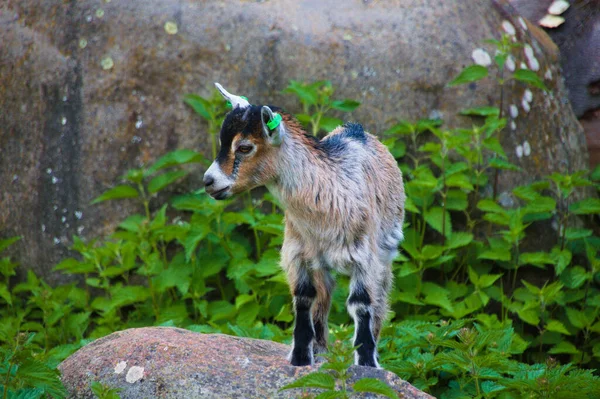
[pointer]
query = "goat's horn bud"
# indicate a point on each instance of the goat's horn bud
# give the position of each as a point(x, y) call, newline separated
point(236, 101)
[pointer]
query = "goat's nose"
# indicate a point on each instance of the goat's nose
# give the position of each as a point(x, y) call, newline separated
point(208, 180)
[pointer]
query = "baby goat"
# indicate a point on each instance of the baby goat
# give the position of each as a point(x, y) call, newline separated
point(344, 208)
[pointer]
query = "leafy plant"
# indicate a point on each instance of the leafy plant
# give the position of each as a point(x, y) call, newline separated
point(316, 100)
point(333, 379)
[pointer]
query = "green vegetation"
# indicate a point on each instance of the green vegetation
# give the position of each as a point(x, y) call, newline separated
point(477, 312)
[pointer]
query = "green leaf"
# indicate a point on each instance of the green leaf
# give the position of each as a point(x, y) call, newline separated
point(470, 74)
point(488, 205)
point(328, 123)
point(8, 242)
point(162, 181)
point(196, 234)
point(586, 206)
point(345, 105)
point(178, 157)
point(575, 233)
point(459, 180)
point(578, 318)
point(557, 326)
point(486, 280)
point(435, 218)
point(536, 259)
point(565, 347)
point(456, 200)
point(199, 104)
point(374, 385)
point(313, 380)
point(529, 77)
point(459, 239)
point(529, 316)
point(481, 111)
point(118, 192)
point(501, 163)
point(5, 294)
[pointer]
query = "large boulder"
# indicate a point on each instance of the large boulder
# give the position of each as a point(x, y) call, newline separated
point(167, 362)
point(578, 39)
point(89, 89)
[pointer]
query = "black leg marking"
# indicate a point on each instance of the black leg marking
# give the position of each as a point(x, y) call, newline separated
point(364, 338)
point(359, 306)
point(304, 333)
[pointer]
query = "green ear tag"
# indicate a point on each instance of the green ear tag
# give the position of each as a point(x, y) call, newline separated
point(273, 123)
point(229, 102)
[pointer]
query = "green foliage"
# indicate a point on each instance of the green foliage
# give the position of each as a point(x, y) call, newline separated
point(333, 378)
point(105, 392)
point(316, 100)
point(467, 257)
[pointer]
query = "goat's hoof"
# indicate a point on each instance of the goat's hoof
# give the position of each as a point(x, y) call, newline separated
point(368, 362)
point(301, 358)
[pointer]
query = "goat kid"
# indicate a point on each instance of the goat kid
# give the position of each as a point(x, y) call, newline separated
point(344, 207)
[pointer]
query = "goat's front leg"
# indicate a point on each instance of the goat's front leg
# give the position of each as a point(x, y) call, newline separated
point(360, 307)
point(304, 293)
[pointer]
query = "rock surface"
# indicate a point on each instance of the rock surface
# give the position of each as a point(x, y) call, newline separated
point(89, 89)
point(165, 362)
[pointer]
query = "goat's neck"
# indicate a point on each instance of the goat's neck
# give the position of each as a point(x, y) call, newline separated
point(301, 170)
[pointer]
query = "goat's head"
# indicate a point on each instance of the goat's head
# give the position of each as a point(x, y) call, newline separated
point(250, 139)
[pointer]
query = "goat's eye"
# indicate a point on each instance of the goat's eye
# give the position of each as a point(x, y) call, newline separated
point(244, 149)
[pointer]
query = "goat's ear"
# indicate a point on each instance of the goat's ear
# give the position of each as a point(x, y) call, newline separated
point(236, 101)
point(273, 126)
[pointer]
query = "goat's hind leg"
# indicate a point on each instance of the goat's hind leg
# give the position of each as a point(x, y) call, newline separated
point(360, 307)
point(304, 293)
point(324, 285)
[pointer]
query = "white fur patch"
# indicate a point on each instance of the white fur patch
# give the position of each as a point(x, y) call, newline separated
point(221, 180)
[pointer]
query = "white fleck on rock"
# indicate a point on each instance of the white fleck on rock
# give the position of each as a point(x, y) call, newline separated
point(514, 111)
point(513, 125)
point(510, 63)
point(551, 21)
point(64, 98)
point(138, 124)
point(134, 374)
point(506, 199)
point(49, 171)
point(63, 219)
point(508, 28)
point(519, 151)
point(526, 148)
point(78, 215)
point(107, 63)
point(120, 367)
point(558, 7)
point(43, 228)
point(534, 64)
point(528, 96)
point(56, 240)
point(15, 178)
point(526, 106)
point(54, 180)
point(80, 229)
point(171, 27)
point(548, 74)
point(136, 139)
point(55, 207)
point(481, 57)
point(88, 18)
point(522, 23)
point(63, 121)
